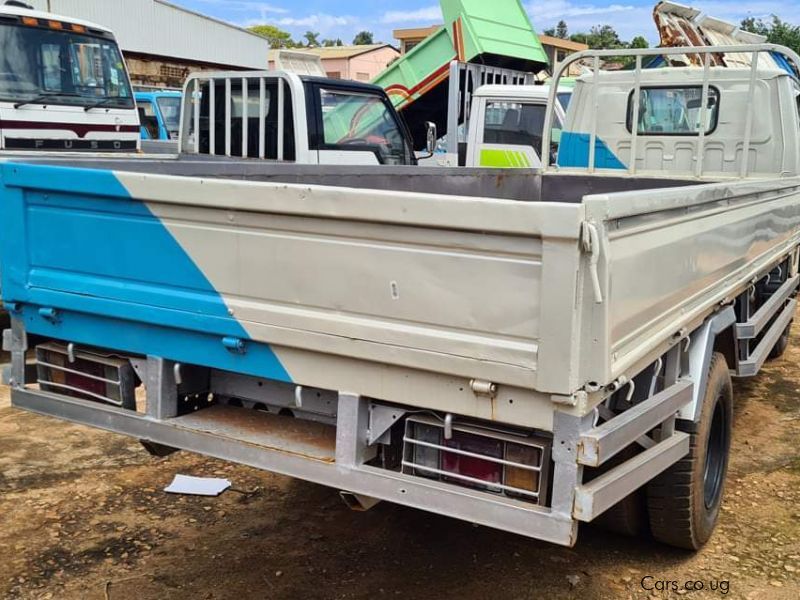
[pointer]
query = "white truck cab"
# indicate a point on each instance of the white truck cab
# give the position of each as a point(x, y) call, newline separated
point(506, 123)
point(670, 124)
point(283, 116)
point(699, 121)
point(63, 85)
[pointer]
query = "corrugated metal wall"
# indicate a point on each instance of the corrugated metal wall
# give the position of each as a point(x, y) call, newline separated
point(159, 28)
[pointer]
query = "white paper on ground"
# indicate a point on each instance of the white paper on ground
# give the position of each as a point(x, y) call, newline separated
point(197, 486)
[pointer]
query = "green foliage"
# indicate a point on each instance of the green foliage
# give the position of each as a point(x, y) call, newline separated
point(278, 38)
point(328, 43)
point(561, 30)
point(776, 30)
point(599, 37)
point(639, 42)
point(363, 38)
point(312, 39)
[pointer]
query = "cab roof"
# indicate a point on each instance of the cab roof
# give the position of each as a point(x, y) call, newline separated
point(18, 11)
point(684, 75)
point(517, 91)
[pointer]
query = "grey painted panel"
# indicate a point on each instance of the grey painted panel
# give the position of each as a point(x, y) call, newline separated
point(665, 265)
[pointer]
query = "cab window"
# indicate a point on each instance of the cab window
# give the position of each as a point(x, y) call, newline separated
point(515, 123)
point(147, 116)
point(354, 120)
point(673, 111)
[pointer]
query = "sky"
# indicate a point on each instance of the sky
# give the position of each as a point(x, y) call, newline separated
point(344, 18)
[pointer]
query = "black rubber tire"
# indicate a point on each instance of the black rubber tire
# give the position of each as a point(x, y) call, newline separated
point(780, 346)
point(683, 509)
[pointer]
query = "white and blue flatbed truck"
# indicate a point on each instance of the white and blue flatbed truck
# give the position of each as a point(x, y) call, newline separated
point(522, 349)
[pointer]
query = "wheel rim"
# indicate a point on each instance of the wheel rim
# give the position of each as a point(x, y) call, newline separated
point(715, 456)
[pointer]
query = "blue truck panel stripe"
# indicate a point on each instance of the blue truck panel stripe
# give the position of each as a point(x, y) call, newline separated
point(140, 337)
point(115, 273)
point(573, 151)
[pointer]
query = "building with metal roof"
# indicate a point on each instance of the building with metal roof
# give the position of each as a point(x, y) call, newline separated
point(163, 42)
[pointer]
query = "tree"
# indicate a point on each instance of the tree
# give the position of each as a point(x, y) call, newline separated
point(639, 42)
point(363, 38)
point(278, 38)
point(328, 43)
point(756, 26)
point(599, 37)
point(777, 31)
point(561, 30)
point(312, 39)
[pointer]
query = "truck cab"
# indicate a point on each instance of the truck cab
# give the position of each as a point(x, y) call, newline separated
point(63, 85)
point(506, 123)
point(159, 113)
point(750, 111)
point(284, 116)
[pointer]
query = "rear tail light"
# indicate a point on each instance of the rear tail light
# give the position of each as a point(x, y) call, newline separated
point(84, 374)
point(472, 469)
point(485, 459)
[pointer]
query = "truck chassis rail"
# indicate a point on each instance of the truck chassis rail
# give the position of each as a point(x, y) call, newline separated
point(280, 446)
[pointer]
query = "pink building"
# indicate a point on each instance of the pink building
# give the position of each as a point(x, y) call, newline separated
point(361, 63)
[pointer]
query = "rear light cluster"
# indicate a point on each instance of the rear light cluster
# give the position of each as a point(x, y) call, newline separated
point(483, 459)
point(83, 374)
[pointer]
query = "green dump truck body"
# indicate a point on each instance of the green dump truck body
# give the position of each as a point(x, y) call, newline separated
point(497, 34)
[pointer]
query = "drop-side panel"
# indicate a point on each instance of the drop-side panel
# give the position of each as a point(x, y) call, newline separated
point(444, 284)
point(671, 256)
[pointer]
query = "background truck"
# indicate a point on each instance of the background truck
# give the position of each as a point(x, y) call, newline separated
point(159, 114)
point(481, 43)
point(284, 116)
point(506, 124)
point(522, 349)
point(63, 85)
point(683, 120)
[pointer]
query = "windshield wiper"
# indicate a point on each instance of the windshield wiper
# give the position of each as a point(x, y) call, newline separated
point(101, 103)
point(45, 96)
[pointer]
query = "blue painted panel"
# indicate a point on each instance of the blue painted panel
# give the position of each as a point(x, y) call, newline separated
point(140, 337)
point(113, 270)
point(573, 151)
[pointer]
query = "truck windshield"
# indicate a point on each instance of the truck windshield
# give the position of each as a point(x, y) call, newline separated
point(55, 66)
point(171, 112)
point(353, 120)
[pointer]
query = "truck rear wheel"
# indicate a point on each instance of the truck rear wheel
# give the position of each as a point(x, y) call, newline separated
point(684, 501)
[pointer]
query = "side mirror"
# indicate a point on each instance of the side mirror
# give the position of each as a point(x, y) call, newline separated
point(431, 137)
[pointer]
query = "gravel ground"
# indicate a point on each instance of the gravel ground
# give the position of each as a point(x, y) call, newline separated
point(82, 515)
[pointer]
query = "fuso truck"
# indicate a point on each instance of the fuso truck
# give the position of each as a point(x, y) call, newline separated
point(523, 349)
point(63, 85)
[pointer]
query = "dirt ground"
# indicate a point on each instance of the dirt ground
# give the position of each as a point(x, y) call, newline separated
point(83, 515)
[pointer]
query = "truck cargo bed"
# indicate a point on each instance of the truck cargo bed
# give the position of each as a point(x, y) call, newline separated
point(396, 283)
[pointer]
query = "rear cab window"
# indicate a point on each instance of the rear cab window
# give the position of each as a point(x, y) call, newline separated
point(673, 111)
point(515, 123)
point(354, 120)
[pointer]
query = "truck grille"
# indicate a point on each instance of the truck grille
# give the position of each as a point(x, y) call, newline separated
point(484, 459)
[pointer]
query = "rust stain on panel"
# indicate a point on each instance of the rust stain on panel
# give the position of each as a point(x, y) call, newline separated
point(308, 439)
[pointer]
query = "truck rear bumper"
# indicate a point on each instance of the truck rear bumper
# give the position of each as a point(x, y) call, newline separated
point(327, 455)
